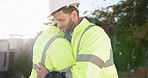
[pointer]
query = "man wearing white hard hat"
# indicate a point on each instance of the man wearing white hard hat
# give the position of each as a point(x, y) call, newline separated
point(92, 49)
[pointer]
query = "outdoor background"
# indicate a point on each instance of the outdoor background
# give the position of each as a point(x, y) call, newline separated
point(26, 17)
point(124, 21)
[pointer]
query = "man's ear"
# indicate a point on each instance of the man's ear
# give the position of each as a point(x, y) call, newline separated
point(74, 15)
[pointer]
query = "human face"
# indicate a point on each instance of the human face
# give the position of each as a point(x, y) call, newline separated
point(64, 21)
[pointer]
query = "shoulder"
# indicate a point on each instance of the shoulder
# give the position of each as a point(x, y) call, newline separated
point(96, 32)
point(95, 29)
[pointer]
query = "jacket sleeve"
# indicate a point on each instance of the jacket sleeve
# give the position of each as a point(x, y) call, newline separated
point(55, 74)
point(93, 52)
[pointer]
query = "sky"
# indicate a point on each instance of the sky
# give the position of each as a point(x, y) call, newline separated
point(26, 17)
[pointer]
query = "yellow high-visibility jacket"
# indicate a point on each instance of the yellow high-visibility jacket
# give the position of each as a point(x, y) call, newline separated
point(94, 56)
point(59, 54)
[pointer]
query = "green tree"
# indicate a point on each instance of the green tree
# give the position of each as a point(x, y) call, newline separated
point(131, 18)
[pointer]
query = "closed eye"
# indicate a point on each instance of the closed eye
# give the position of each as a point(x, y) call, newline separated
point(60, 20)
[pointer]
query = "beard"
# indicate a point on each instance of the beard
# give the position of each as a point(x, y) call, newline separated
point(70, 25)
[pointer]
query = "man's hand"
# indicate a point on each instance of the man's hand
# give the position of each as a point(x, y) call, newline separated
point(41, 71)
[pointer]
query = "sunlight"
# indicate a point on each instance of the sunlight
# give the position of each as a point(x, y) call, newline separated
point(26, 17)
point(22, 17)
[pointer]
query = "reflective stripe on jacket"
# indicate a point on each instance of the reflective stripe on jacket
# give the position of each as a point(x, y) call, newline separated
point(94, 55)
point(58, 55)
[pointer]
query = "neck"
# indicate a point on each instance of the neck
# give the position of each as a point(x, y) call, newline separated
point(76, 23)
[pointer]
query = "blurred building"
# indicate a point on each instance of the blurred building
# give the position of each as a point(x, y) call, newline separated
point(16, 43)
point(4, 55)
point(10, 49)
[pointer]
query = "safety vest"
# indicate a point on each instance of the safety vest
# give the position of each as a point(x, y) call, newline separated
point(53, 50)
point(93, 53)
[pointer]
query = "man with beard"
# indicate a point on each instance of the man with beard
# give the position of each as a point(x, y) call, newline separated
point(91, 45)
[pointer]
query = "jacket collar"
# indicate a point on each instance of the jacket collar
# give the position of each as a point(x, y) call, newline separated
point(83, 24)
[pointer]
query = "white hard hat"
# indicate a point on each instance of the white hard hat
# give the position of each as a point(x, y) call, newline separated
point(54, 5)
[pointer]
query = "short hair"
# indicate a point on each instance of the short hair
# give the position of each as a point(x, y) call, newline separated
point(66, 9)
